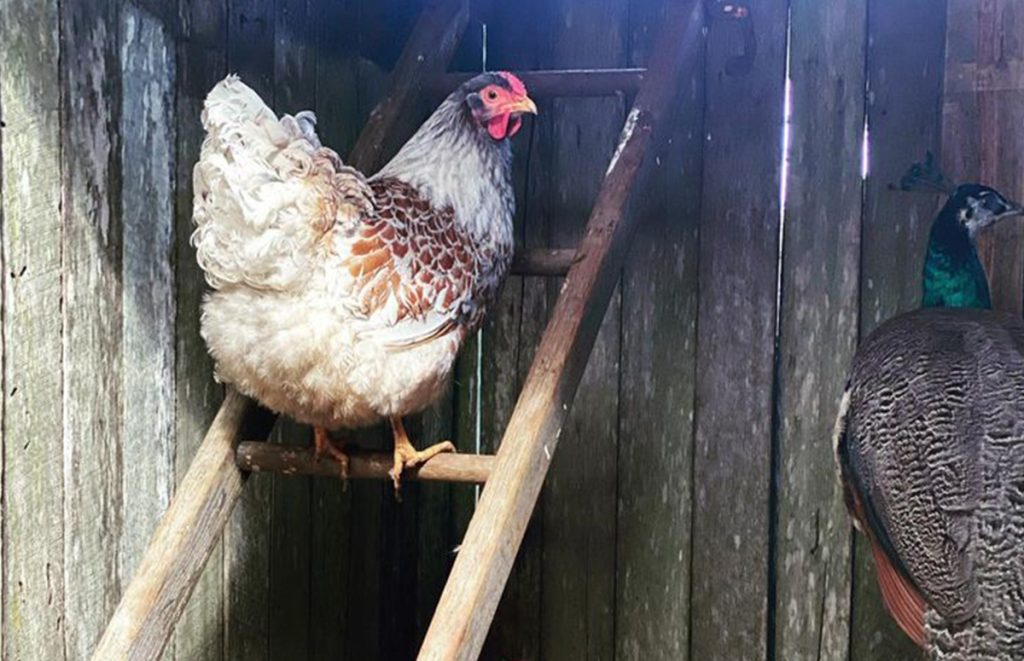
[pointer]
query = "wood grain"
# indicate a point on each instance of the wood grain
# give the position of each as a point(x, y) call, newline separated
point(92, 317)
point(982, 116)
point(818, 326)
point(147, 130)
point(578, 517)
point(186, 535)
point(32, 540)
point(550, 262)
point(289, 630)
point(338, 125)
point(513, 332)
point(293, 462)
point(247, 561)
point(3, 397)
point(905, 43)
point(482, 566)
point(659, 325)
point(429, 49)
point(201, 63)
point(735, 337)
point(590, 81)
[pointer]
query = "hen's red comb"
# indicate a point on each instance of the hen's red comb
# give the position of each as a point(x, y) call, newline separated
point(514, 82)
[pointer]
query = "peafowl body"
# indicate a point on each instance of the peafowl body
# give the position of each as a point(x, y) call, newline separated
point(930, 445)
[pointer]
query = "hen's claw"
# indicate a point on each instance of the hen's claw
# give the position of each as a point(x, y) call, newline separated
point(323, 444)
point(407, 456)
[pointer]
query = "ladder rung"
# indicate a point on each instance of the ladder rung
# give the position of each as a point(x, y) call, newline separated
point(559, 82)
point(260, 457)
point(544, 262)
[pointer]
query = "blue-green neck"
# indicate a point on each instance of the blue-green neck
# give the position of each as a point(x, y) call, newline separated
point(953, 276)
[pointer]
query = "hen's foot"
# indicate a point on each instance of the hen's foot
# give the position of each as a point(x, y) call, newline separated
point(323, 444)
point(406, 456)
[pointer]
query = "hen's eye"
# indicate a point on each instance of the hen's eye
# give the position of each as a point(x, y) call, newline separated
point(492, 95)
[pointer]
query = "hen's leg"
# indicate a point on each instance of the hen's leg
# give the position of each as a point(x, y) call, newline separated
point(323, 444)
point(406, 456)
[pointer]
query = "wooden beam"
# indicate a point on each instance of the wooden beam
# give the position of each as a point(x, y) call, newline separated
point(259, 457)
point(544, 262)
point(183, 540)
point(195, 520)
point(474, 586)
point(559, 82)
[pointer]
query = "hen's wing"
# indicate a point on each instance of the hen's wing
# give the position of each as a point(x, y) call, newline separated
point(936, 397)
point(411, 273)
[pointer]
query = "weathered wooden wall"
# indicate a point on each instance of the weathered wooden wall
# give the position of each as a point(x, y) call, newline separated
point(691, 510)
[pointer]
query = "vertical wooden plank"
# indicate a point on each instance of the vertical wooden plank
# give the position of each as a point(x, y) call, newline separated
point(384, 28)
point(289, 630)
point(417, 533)
point(578, 578)
point(247, 559)
point(3, 362)
point(818, 325)
point(736, 335)
point(983, 113)
point(338, 125)
point(93, 362)
point(363, 603)
point(421, 517)
point(659, 326)
point(443, 510)
point(512, 332)
point(384, 566)
point(33, 566)
point(201, 63)
point(148, 74)
point(904, 68)
point(435, 540)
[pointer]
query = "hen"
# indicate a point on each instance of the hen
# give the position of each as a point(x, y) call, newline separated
point(338, 298)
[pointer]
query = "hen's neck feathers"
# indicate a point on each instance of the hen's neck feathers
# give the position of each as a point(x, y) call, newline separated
point(454, 163)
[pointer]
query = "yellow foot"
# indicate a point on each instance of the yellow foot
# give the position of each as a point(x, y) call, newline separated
point(406, 456)
point(323, 444)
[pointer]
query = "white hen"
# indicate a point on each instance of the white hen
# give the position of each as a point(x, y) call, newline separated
point(341, 299)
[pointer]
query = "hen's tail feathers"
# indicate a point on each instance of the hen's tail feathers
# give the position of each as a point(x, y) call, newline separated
point(265, 190)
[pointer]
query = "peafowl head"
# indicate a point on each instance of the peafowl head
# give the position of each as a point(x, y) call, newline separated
point(972, 207)
point(953, 275)
point(976, 207)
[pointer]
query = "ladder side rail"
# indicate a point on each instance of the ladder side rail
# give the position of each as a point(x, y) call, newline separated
point(489, 548)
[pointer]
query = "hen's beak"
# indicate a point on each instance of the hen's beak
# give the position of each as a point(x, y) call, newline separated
point(521, 105)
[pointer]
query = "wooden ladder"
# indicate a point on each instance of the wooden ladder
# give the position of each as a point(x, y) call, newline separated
point(194, 522)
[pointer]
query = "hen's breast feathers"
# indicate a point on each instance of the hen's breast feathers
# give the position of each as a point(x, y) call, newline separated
point(274, 210)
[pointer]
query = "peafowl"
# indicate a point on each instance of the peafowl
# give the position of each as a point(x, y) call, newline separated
point(930, 446)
